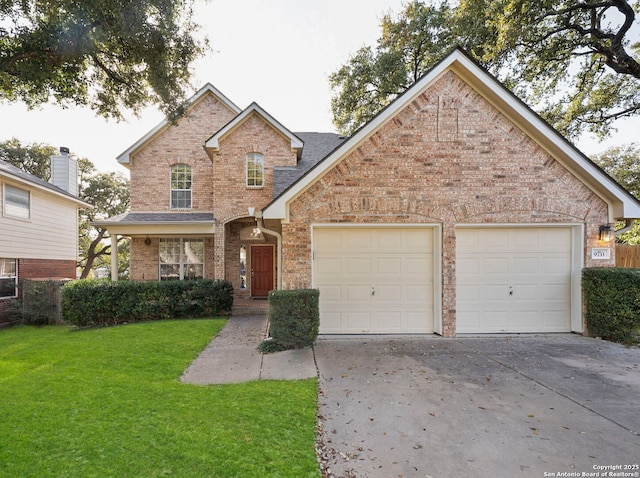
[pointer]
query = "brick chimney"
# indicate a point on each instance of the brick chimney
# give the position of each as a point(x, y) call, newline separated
point(64, 171)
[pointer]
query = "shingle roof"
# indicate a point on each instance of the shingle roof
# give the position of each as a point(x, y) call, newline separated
point(316, 147)
point(159, 218)
point(19, 174)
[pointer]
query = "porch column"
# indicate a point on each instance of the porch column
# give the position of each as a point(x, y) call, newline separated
point(114, 257)
point(218, 251)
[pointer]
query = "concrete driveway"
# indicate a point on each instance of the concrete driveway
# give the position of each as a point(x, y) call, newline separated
point(530, 406)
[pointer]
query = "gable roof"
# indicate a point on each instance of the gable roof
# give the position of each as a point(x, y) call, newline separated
point(316, 147)
point(12, 172)
point(213, 143)
point(125, 157)
point(621, 203)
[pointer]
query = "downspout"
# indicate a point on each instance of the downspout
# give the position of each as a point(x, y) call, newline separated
point(264, 230)
point(628, 224)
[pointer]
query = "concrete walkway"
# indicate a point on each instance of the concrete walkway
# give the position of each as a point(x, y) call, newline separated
point(233, 357)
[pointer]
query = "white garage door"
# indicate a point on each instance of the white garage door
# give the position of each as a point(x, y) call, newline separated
point(374, 280)
point(513, 280)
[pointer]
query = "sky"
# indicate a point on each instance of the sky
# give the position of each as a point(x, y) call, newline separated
point(278, 53)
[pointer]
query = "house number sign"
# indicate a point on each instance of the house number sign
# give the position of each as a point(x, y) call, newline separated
point(601, 253)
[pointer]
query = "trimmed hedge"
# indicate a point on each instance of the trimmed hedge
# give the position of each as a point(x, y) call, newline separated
point(612, 302)
point(294, 318)
point(101, 302)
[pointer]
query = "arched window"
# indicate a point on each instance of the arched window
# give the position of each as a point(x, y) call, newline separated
point(180, 186)
point(255, 170)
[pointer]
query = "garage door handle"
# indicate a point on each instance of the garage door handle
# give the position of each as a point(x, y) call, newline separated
point(510, 290)
point(373, 291)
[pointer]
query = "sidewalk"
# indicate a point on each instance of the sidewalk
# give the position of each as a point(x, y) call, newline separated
point(233, 357)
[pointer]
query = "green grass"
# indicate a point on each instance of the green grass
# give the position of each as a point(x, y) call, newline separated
point(107, 403)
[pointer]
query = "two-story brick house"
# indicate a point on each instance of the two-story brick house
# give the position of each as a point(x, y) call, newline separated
point(456, 209)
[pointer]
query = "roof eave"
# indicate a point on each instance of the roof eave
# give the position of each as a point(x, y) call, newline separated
point(621, 203)
point(212, 145)
point(125, 157)
point(61, 194)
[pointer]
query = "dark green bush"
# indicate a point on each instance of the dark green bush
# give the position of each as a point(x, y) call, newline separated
point(294, 317)
point(612, 302)
point(101, 302)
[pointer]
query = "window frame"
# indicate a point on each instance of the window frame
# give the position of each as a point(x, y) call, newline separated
point(174, 204)
point(256, 160)
point(8, 207)
point(5, 276)
point(180, 267)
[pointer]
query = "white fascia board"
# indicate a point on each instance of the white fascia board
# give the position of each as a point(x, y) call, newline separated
point(135, 229)
point(278, 209)
point(550, 140)
point(214, 142)
point(621, 203)
point(125, 157)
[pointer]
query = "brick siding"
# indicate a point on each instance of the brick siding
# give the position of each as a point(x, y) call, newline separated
point(426, 165)
point(39, 269)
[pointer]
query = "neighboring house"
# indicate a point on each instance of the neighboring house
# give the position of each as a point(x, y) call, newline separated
point(456, 209)
point(38, 226)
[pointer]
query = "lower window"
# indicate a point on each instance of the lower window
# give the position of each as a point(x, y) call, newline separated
point(8, 278)
point(181, 259)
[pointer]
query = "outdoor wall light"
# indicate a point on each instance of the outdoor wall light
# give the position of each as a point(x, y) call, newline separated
point(606, 233)
point(147, 241)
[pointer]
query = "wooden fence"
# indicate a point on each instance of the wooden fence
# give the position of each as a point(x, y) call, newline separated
point(628, 255)
point(42, 299)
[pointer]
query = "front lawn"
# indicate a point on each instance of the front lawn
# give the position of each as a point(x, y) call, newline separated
point(107, 403)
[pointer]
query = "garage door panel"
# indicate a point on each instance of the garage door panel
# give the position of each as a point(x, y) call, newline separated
point(515, 287)
point(332, 292)
point(387, 265)
point(417, 266)
point(357, 321)
point(394, 263)
point(388, 293)
point(495, 292)
point(357, 241)
point(357, 292)
point(358, 265)
point(388, 321)
point(328, 266)
point(494, 265)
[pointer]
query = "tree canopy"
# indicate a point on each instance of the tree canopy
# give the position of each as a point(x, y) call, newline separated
point(622, 163)
point(108, 55)
point(573, 62)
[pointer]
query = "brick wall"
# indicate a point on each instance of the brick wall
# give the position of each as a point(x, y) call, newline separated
point(39, 269)
point(182, 143)
point(46, 269)
point(144, 258)
point(231, 195)
point(448, 157)
point(219, 186)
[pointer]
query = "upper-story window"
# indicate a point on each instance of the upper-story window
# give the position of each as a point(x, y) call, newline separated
point(17, 202)
point(181, 176)
point(255, 170)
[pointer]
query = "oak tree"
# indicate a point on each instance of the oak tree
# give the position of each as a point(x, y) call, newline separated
point(574, 62)
point(108, 55)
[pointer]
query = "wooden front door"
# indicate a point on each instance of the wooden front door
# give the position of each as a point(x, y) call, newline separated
point(261, 270)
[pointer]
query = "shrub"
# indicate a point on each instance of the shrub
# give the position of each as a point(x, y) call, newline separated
point(294, 318)
point(101, 302)
point(612, 302)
